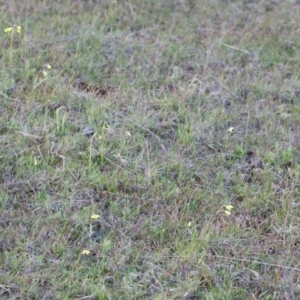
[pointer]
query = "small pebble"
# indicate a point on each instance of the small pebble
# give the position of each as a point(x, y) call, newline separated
point(88, 131)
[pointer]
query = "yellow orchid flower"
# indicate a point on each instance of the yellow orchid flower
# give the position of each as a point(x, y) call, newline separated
point(95, 217)
point(8, 29)
point(86, 252)
point(228, 207)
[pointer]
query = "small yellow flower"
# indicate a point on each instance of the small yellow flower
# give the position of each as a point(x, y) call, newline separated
point(86, 252)
point(49, 67)
point(189, 224)
point(128, 133)
point(231, 129)
point(8, 29)
point(18, 29)
point(45, 73)
point(95, 217)
point(228, 207)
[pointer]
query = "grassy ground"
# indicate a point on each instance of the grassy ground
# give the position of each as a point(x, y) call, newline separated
point(149, 149)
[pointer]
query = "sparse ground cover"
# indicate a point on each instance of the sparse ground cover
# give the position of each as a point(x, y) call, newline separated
point(149, 149)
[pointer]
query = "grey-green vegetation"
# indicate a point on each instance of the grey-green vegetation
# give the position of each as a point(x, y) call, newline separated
point(149, 149)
